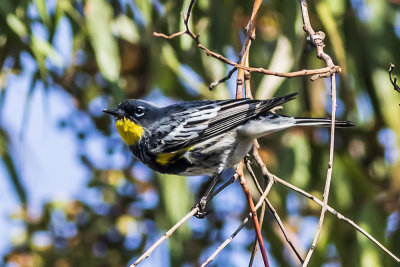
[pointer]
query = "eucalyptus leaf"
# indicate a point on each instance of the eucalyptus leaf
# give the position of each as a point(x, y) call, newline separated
point(98, 20)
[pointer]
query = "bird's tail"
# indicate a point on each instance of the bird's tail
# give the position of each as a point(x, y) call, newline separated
point(274, 122)
point(321, 122)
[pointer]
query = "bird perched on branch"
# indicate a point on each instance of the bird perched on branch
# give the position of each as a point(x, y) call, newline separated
point(201, 137)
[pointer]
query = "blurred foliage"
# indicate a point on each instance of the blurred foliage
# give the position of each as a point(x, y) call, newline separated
point(99, 49)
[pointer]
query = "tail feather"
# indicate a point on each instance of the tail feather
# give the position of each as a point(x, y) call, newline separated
point(273, 122)
point(274, 102)
point(322, 122)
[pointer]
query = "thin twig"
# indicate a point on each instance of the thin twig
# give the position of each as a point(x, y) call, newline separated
point(255, 244)
point(255, 180)
point(317, 40)
point(246, 75)
point(317, 73)
point(340, 216)
point(257, 228)
point(337, 214)
point(250, 35)
point(225, 78)
point(272, 177)
point(247, 83)
point(273, 211)
point(165, 236)
point(328, 173)
point(322, 72)
point(244, 61)
point(393, 81)
point(227, 241)
point(158, 34)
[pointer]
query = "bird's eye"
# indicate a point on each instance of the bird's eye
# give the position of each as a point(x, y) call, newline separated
point(139, 111)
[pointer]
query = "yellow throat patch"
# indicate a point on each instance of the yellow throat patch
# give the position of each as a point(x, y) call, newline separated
point(129, 131)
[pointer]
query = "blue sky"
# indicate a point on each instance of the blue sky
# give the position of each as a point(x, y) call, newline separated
point(45, 155)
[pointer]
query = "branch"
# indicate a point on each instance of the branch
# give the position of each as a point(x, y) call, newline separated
point(257, 228)
point(273, 211)
point(255, 244)
point(337, 214)
point(316, 38)
point(270, 177)
point(250, 35)
point(393, 80)
point(317, 73)
point(328, 174)
point(164, 237)
point(223, 79)
point(228, 240)
point(244, 61)
point(318, 41)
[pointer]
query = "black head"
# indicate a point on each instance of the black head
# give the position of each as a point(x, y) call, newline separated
point(135, 110)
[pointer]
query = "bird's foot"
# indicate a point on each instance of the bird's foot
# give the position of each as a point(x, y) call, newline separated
point(201, 206)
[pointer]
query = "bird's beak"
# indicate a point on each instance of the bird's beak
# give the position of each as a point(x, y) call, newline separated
point(116, 112)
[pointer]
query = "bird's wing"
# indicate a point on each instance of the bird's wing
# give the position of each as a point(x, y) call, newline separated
point(202, 121)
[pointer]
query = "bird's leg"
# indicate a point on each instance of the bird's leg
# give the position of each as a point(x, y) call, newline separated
point(201, 204)
point(222, 187)
point(210, 195)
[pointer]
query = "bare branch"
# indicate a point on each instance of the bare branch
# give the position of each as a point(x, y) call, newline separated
point(227, 241)
point(337, 214)
point(328, 174)
point(227, 77)
point(244, 61)
point(162, 35)
point(255, 244)
point(273, 211)
point(322, 72)
point(393, 80)
point(317, 40)
point(257, 228)
point(164, 237)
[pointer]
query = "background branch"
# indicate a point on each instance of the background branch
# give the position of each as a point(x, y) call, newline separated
point(318, 41)
point(165, 236)
point(275, 214)
point(337, 214)
point(328, 175)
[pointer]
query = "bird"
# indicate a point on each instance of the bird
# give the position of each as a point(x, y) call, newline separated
point(201, 137)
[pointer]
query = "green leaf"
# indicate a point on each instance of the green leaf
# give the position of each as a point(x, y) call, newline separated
point(9, 165)
point(125, 28)
point(170, 58)
point(332, 28)
point(175, 197)
point(16, 25)
point(44, 48)
point(41, 7)
point(145, 9)
point(301, 149)
point(98, 20)
point(282, 61)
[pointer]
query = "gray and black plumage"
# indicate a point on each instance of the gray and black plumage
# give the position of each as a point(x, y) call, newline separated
point(201, 137)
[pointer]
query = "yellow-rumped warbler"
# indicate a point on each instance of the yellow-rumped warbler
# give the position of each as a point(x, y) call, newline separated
point(201, 137)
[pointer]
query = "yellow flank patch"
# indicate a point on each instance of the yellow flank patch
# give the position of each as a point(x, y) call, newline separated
point(129, 131)
point(164, 158)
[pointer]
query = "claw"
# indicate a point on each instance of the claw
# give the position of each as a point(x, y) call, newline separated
point(201, 205)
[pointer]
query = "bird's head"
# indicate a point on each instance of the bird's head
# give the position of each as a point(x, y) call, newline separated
point(131, 117)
